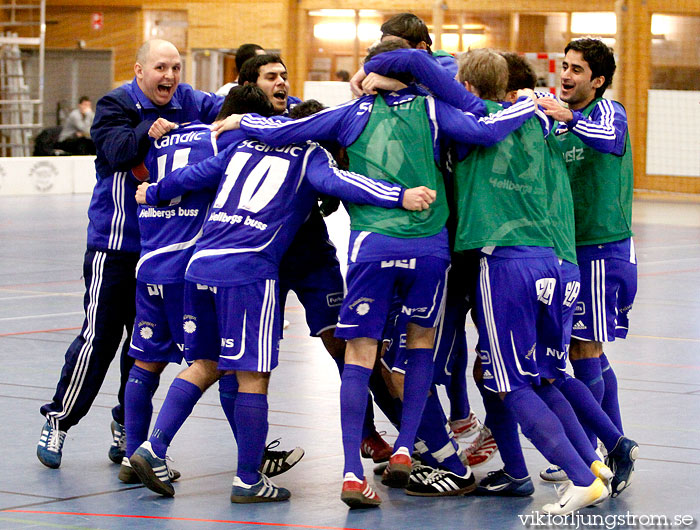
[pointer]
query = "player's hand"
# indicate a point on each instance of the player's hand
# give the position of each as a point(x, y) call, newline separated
point(373, 82)
point(418, 199)
point(230, 123)
point(528, 93)
point(356, 82)
point(160, 127)
point(555, 109)
point(141, 193)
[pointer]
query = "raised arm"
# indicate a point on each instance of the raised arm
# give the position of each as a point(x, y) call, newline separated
point(604, 130)
point(428, 72)
point(325, 176)
point(324, 125)
point(467, 129)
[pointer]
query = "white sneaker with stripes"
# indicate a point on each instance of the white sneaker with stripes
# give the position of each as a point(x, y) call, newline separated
point(262, 491)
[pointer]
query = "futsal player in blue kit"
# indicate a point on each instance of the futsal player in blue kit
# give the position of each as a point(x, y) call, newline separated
point(379, 260)
point(593, 136)
point(483, 82)
point(124, 118)
point(168, 236)
point(264, 194)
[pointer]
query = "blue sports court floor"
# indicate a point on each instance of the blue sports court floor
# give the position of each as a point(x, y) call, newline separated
point(42, 243)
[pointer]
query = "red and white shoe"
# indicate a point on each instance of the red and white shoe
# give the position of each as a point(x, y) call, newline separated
point(357, 493)
point(467, 427)
point(376, 448)
point(397, 473)
point(482, 448)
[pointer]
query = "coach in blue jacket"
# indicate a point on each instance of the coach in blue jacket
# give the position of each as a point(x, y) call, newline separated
point(150, 104)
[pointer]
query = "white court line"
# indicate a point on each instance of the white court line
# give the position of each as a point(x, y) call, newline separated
point(7, 319)
point(43, 295)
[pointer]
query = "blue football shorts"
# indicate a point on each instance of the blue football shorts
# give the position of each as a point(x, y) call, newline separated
point(238, 326)
point(418, 282)
point(608, 288)
point(552, 362)
point(158, 334)
point(518, 306)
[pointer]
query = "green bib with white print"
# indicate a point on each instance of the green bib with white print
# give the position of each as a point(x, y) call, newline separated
point(396, 147)
point(602, 186)
point(501, 193)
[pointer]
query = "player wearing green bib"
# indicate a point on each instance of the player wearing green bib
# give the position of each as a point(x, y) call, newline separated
point(594, 138)
point(381, 261)
point(501, 194)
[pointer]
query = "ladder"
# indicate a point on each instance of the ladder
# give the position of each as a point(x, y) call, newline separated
point(21, 98)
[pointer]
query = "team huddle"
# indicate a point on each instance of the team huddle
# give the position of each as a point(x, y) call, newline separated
point(469, 194)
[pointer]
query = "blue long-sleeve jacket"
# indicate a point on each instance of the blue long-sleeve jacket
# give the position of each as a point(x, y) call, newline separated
point(120, 132)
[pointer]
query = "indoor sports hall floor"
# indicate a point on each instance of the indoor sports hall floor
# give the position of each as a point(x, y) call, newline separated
point(42, 240)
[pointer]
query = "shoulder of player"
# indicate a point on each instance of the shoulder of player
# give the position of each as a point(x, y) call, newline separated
point(606, 106)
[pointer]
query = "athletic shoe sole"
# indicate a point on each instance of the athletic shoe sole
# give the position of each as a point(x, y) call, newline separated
point(355, 499)
point(148, 477)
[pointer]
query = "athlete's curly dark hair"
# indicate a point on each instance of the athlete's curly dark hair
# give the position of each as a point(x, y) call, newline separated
point(599, 57)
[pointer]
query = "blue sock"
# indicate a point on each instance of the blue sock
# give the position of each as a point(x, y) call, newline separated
point(588, 371)
point(610, 404)
point(228, 391)
point(251, 423)
point(353, 389)
point(368, 424)
point(433, 434)
point(457, 389)
point(419, 376)
point(138, 401)
point(558, 404)
point(588, 410)
point(179, 402)
point(544, 430)
point(504, 429)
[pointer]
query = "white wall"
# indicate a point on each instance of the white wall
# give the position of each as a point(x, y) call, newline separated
point(41, 175)
point(673, 133)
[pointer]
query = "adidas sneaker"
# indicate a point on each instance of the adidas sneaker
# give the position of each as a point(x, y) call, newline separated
point(357, 493)
point(49, 450)
point(467, 427)
point(262, 491)
point(152, 470)
point(443, 483)
point(482, 449)
point(277, 462)
point(117, 451)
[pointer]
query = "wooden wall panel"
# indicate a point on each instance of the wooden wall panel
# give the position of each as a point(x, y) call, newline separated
point(122, 33)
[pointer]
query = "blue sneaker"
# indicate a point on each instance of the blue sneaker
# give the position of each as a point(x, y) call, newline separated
point(152, 470)
point(50, 447)
point(621, 461)
point(502, 484)
point(262, 491)
point(117, 451)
